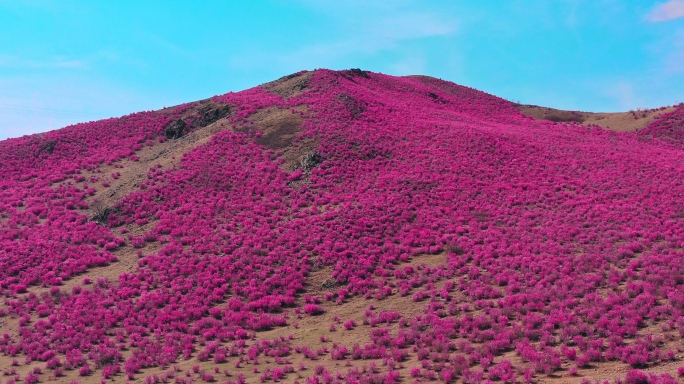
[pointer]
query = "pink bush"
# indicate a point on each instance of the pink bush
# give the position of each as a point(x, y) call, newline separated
point(558, 239)
point(313, 309)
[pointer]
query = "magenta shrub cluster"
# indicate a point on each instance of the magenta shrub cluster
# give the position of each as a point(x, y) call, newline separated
point(44, 236)
point(562, 242)
point(668, 126)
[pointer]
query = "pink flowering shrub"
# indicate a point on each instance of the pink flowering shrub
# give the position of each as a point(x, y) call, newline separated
point(668, 127)
point(559, 241)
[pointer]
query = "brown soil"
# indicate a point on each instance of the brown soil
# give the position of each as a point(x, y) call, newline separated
point(290, 85)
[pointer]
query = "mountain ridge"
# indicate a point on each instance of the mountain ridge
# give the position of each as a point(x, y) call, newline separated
point(348, 226)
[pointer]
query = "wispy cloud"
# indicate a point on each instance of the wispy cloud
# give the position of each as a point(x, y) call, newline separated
point(674, 61)
point(624, 93)
point(405, 26)
point(116, 57)
point(52, 62)
point(370, 35)
point(673, 9)
point(387, 32)
point(668, 53)
point(377, 27)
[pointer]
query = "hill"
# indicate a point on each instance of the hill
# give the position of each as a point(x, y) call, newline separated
point(345, 226)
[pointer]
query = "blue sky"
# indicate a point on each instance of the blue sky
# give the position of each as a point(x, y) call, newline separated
point(63, 61)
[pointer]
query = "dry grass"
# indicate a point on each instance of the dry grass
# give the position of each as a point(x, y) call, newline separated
point(615, 121)
point(290, 85)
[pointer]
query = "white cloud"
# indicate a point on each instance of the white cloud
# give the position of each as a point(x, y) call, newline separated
point(382, 26)
point(410, 26)
point(387, 21)
point(623, 92)
point(670, 10)
point(385, 33)
point(674, 54)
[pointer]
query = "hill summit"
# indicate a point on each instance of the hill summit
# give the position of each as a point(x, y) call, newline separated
point(346, 226)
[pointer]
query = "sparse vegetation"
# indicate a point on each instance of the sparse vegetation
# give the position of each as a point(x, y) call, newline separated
point(101, 212)
point(311, 160)
point(561, 118)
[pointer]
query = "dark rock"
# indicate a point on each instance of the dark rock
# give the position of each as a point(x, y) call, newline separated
point(311, 160)
point(354, 107)
point(359, 72)
point(175, 129)
point(213, 114)
point(48, 146)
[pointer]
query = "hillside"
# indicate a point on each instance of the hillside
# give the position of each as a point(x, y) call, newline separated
point(346, 226)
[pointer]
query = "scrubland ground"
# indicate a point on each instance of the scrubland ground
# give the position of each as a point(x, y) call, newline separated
point(414, 324)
